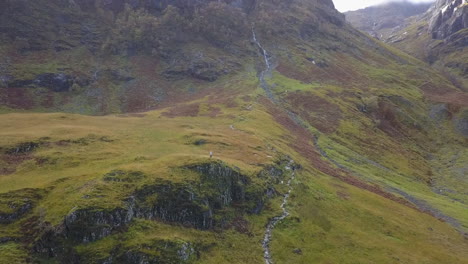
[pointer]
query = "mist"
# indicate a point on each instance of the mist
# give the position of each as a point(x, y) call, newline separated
point(347, 5)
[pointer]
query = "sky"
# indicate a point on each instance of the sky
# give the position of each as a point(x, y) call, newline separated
point(347, 5)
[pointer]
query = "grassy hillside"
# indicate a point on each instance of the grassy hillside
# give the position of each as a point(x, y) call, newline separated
point(444, 47)
point(376, 139)
point(331, 220)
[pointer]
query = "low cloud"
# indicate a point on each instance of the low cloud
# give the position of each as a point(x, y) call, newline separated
point(347, 5)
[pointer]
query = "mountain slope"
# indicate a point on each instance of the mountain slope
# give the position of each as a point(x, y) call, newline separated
point(381, 21)
point(437, 36)
point(442, 33)
point(372, 140)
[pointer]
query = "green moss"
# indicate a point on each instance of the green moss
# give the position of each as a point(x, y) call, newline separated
point(13, 253)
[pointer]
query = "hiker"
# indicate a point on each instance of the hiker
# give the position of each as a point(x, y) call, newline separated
point(211, 154)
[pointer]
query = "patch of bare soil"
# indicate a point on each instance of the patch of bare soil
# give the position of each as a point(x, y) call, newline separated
point(320, 113)
point(183, 110)
point(302, 144)
point(13, 161)
point(446, 95)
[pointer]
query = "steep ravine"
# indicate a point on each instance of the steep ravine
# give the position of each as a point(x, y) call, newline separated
point(266, 71)
point(289, 167)
point(420, 204)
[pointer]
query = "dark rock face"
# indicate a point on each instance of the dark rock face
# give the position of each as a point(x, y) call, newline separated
point(229, 184)
point(193, 204)
point(89, 225)
point(448, 17)
point(57, 82)
point(16, 204)
point(175, 204)
point(208, 203)
point(22, 148)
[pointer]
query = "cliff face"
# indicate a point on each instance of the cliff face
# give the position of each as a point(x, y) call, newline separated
point(438, 36)
point(448, 17)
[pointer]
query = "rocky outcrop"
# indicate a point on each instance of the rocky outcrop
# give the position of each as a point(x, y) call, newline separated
point(199, 204)
point(87, 225)
point(57, 82)
point(448, 17)
point(211, 202)
point(22, 148)
point(16, 204)
point(175, 203)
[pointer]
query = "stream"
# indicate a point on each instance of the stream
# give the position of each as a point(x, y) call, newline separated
point(268, 68)
point(285, 213)
point(275, 220)
point(422, 205)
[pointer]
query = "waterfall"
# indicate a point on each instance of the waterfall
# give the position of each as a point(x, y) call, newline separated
point(264, 52)
point(268, 67)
